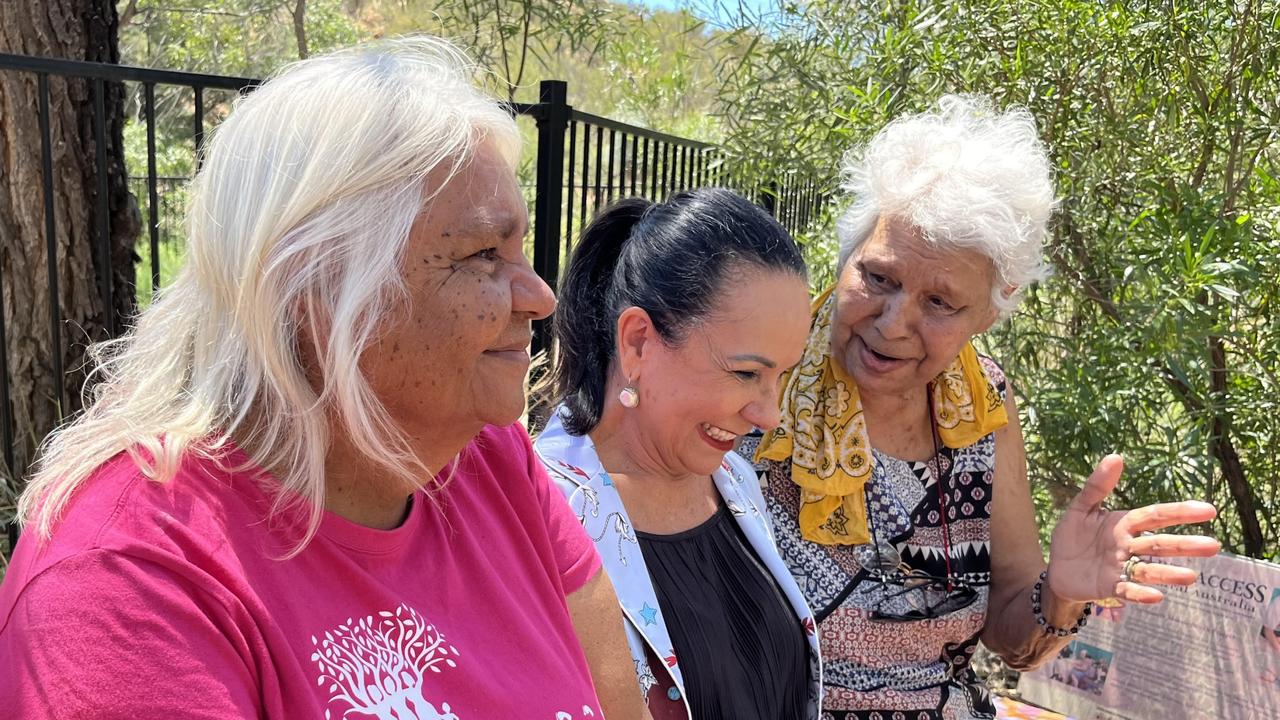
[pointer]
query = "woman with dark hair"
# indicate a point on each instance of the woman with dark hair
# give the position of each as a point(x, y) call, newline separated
point(676, 322)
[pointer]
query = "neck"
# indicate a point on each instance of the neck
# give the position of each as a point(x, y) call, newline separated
point(365, 492)
point(658, 500)
point(899, 425)
point(623, 451)
point(912, 404)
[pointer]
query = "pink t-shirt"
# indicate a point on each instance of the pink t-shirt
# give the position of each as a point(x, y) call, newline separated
point(167, 601)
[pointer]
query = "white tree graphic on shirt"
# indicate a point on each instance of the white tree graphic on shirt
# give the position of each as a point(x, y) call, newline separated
point(378, 666)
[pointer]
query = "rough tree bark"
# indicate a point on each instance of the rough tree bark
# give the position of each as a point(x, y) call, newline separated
point(299, 13)
point(76, 30)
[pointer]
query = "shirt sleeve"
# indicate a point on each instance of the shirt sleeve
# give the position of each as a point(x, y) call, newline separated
point(576, 556)
point(103, 634)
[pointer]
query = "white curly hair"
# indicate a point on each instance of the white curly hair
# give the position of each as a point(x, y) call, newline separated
point(966, 176)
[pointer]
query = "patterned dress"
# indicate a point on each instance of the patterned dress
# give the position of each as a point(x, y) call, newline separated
point(887, 670)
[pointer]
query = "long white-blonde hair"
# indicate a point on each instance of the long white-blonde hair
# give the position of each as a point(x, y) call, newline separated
point(297, 224)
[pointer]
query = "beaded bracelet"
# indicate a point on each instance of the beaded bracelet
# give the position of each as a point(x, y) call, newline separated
point(1044, 622)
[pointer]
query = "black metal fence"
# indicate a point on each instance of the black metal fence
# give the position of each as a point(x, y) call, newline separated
point(584, 161)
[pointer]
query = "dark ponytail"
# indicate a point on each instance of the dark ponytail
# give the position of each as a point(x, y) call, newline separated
point(670, 260)
point(584, 326)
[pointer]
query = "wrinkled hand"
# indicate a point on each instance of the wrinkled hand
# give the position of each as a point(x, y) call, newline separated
point(1091, 544)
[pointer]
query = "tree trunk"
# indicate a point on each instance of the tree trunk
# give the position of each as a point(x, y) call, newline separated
point(300, 28)
point(1224, 451)
point(77, 30)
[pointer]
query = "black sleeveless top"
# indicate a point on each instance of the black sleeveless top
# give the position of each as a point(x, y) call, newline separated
point(742, 649)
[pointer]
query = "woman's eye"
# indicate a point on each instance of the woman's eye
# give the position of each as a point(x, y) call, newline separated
point(746, 374)
point(876, 279)
point(941, 305)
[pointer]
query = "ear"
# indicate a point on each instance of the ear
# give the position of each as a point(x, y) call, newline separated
point(635, 333)
point(1006, 293)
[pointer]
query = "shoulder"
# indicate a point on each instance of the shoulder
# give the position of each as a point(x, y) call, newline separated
point(122, 523)
point(120, 505)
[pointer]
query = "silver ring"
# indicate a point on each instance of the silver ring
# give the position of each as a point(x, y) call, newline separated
point(1126, 573)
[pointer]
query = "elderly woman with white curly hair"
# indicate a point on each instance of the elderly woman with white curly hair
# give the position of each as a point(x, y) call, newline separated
point(300, 490)
point(897, 479)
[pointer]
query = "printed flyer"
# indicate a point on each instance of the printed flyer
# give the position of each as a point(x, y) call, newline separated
point(1210, 650)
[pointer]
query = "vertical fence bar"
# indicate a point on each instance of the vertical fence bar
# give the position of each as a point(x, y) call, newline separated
point(677, 182)
point(197, 122)
point(682, 166)
point(644, 170)
point(656, 188)
point(106, 287)
point(51, 243)
point(153, 200)
point(798, 208)
point(622, 165)
point(793, 205)
point(660, 167)
point(666, 170)
point(608, 196)
point(552, 120)
point(568, 200)
point(599, 164)
point(654, 191)
point(808, 203)
point(780, 207)
point(635, 145)
point(675, 169)
point(586, 169)
point(679, 163)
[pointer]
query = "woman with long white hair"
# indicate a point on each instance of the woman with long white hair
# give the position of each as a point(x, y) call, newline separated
point(300, 489)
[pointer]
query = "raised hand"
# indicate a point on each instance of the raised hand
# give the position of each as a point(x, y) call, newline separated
point(1091, 545)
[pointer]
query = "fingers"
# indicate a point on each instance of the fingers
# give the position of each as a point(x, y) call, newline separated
point(1163, 515)
point(1100, 483)
point(1150, 573)
point(1174, 546)
point(1145, 574)
point(1133, 592)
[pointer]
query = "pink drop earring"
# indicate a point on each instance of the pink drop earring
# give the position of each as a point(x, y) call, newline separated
point(629, 397)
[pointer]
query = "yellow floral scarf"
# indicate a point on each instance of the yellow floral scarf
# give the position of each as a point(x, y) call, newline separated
point(824, 434)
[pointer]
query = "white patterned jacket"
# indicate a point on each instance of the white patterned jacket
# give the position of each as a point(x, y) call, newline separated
point(574, 466)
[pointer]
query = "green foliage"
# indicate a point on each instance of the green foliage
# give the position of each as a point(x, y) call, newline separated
point(245, 38)
point(1159, 335)
point(656, 69)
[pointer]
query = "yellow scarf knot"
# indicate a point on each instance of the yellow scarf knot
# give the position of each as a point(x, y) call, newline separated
point(824, 433)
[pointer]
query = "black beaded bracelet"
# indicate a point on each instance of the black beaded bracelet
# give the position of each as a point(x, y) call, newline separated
point(1044, 622)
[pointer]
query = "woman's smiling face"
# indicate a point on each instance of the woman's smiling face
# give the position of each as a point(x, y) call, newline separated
point(454, 355)
point(721, 379)
point(905, 308)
